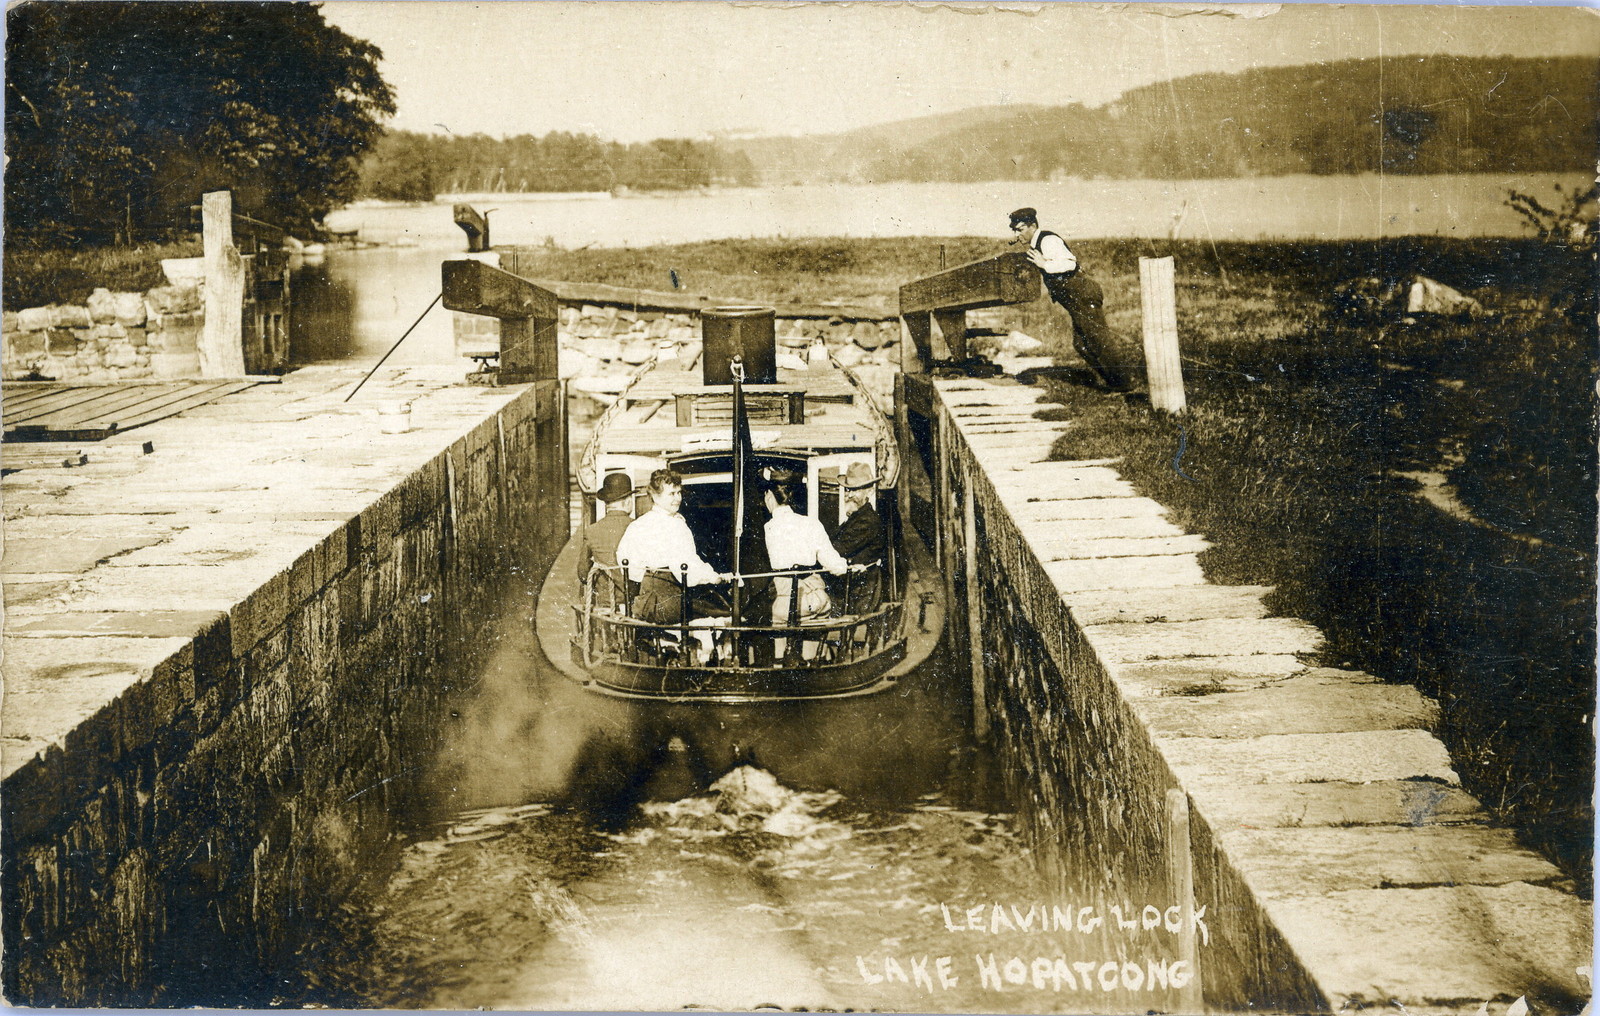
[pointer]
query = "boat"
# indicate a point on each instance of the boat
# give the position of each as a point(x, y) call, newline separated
point(725, 420)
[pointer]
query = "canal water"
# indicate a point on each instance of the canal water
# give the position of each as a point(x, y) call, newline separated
point(584, 852)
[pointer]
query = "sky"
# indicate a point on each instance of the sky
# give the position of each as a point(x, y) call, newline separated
point(632, 71)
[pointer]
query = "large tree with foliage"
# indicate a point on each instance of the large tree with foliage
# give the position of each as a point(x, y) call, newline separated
point(119, 114)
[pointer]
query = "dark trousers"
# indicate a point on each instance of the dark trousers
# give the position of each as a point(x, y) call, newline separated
point(1084, 302)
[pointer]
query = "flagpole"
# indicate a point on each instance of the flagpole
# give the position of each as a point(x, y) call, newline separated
point(740, 479)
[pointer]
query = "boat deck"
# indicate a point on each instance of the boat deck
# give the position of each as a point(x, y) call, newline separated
point(653, 422)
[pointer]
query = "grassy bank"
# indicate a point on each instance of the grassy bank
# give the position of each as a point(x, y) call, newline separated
point(1294, 458)
point(37, 278)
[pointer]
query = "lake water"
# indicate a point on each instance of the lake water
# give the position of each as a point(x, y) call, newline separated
point(360, 302)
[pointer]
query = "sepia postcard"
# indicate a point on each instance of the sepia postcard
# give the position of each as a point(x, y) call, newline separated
point(824, 506)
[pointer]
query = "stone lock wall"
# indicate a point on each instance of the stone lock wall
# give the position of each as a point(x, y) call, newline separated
point(1161, 731)
point(175, 846)
point(115, 337)
point(153, 335)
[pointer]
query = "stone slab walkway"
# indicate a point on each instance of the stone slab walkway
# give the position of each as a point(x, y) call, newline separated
point(110, 568)
point(1323, 789)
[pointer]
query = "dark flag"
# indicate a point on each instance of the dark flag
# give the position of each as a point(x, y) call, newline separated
point(749, 542)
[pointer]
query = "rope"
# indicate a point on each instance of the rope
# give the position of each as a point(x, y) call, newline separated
point(394, 347)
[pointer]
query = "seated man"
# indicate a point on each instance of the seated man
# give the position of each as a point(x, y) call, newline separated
point(798, 541)
point(598, 543)
point(656, 548)
point(860, 541)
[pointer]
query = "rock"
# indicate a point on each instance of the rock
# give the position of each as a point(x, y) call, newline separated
point(128, 308)
point(175, 364)
point(1429, 296)
point(789, 361)
point(867, 335)
point(603, 348)
point(638, 351)
point(569, 316)
point(36, 319)
point(627, 315)
point(1020, 344)
point(591, 329)
point(573, 363)
point(121, 356)
point(102, 306)
point(138, 337)
point(106, 334)
point(683, 333)
point(9, 322)
point(591, 311)
point(26, 345)
point(689, 352)
point(70, 315)
point(66, 342)
point(659, 328)
point(849, 354)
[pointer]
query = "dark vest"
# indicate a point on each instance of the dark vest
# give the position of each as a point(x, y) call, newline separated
point(1038, 239)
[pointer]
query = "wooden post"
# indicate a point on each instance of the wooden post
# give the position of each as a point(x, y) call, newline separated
point(1158, 297)
point(1180, 877)
point(952, 328)
point(980, 694)
point(916, 337)
point(222, 339)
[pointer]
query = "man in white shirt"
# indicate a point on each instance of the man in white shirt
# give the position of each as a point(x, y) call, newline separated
point(657, 547)
point(1079, 295)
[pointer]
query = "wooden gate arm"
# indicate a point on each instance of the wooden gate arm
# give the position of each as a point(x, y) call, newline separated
point(527, 313)
point(934, 309)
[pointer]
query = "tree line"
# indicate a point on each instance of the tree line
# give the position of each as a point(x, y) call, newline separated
point(1411, 114)
point(118, 115)
point(410, 166)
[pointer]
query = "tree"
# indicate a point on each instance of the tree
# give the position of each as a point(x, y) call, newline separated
point(119, 113)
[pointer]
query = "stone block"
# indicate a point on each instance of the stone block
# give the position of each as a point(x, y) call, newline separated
point(1299, 705)
point(684, 333)
point(867, 335)
point(129, 309)
point(1355, 757)
point(1385, 802)
point(102, 306)
point(637, 351)
point(603, 348)
point(1422, 948)
point(849, 355)
point(167, 364)
point(164, 300)
point(1125, 573)
point(1210, 637)
point(69, 315)
point(36, 319)
point(1190, 603)
point(108, 332)
point(21, 346)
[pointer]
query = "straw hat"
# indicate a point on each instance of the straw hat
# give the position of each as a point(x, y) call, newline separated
point(857, 476)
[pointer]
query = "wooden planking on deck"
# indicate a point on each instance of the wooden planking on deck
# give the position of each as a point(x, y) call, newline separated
point(62, 412)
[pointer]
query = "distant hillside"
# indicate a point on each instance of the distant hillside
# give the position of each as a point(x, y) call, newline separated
point(1433, 114)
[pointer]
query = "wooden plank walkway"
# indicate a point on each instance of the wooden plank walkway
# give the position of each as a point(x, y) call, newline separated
point(53, 411)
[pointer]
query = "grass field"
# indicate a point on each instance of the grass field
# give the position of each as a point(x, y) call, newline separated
point(1308, 444)
point(37, 278)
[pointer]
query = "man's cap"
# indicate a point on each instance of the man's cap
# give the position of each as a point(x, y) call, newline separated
point(615, 487)
point(1025, 215)
point(857, 476)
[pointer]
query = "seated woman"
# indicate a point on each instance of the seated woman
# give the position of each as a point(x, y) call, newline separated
point(798, 541)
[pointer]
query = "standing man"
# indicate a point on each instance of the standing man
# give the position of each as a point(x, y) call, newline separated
point(1079, 295)
point(598, 544)
point(656, 548)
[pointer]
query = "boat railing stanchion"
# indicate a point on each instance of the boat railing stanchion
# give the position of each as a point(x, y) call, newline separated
point(683, 614)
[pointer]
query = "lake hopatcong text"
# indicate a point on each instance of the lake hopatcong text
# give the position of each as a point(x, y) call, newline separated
point(999, 970)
